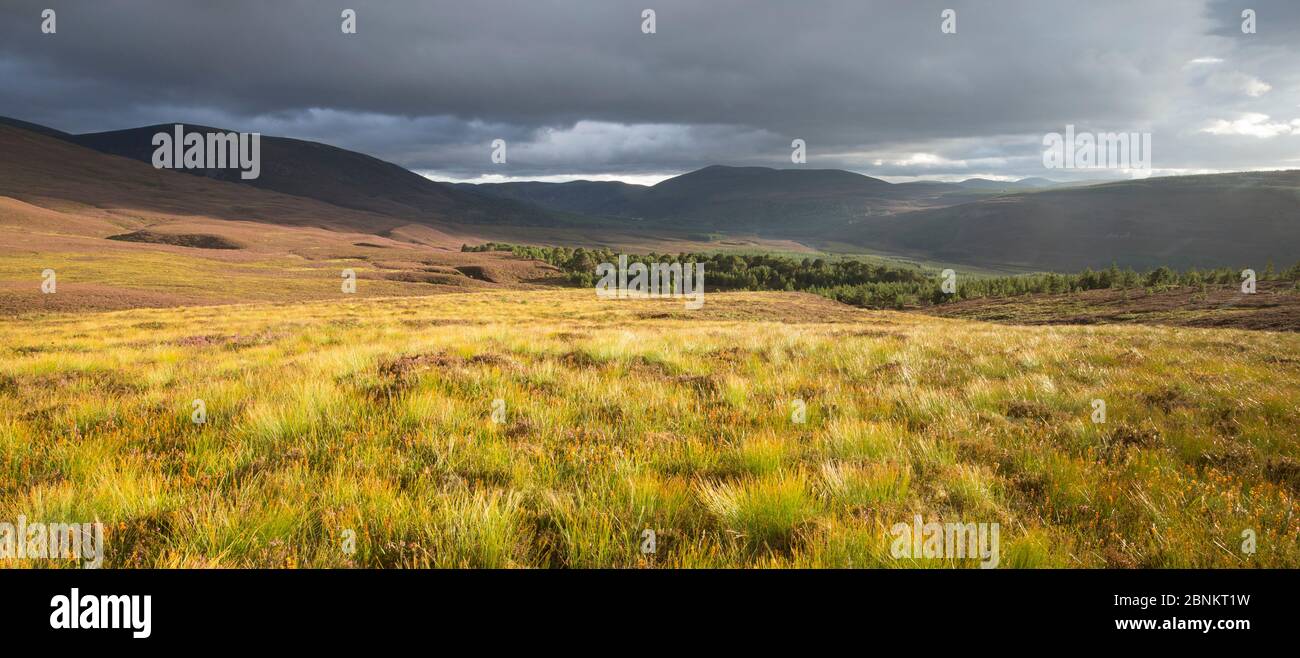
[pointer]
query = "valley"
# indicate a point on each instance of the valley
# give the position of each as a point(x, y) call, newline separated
point(468, 404)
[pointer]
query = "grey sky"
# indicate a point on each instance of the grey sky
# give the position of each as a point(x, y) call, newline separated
point(577, 90)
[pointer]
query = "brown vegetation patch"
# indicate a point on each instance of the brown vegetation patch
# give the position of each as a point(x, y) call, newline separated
point(703, 384)
point(134, 541)
point(436, 278)
point(193, 240)
point(1284, 471)
point(1167, 399)
point(1028, 410)
point(476, 272)
point(494, 360)
point(1284, 360)
point(230, 342)
point(644, 365)
point(521, 428)
point(405, 368)
point(1233, 456)
point(1124, 436)
point(892, 370)
point(731, 356)
point(200, 341)
point(26, 298)
point(102, 381)
point(581, 360)
point(443, 322)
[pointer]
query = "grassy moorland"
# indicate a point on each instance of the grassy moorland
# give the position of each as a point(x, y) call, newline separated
point(376, 416)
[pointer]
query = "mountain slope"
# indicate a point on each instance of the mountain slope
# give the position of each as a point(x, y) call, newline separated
point(599, 198)
point(1213, 220)
point(1239, 219)
point(121, 234)
point(55, 173)
point(36, 128)
point(1007, 186)
point(798, 203)
point(340, 177)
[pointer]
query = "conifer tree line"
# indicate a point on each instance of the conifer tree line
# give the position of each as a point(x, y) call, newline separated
point(876, 285)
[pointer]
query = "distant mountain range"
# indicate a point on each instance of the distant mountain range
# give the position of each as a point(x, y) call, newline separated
point(1007, 186)
point(805, 204)
point(790, 203)
point(1237, 219)
point(1035, 223)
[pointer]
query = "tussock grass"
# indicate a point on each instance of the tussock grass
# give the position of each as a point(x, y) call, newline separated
point(373, 420)
point(763, 512)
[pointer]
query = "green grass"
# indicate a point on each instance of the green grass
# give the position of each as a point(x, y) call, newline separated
point(373, 419)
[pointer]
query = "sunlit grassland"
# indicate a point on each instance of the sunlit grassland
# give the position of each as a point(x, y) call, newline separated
point(253, 278)
point(376, 416)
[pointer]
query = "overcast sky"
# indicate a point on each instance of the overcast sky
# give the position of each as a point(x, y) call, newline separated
point(578, 91)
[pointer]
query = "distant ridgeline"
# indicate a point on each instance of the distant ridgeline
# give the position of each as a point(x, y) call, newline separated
point(876, 286)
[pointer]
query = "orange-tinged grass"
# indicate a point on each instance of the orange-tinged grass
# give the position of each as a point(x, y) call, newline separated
point(373, 419)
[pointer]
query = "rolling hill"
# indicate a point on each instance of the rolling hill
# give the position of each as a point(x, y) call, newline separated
point(1007, 186)
point(596, 198)
point(1235, 219)
point(336, 176)
point(785, 203)
point(121, 234)
point(1238, 219)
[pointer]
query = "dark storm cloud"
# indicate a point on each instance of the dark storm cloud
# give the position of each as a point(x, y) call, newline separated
point(576, 88)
